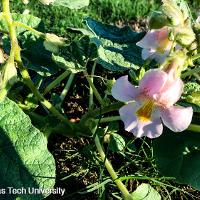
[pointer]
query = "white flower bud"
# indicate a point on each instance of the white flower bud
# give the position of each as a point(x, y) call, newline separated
point(173, 13)
point(25, 1)
point(185, 36)
point(46, 2)
point(9, 74)
point(2, 59)
point(53, 42)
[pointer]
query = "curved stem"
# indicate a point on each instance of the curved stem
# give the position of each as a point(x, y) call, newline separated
point(40, 34)
point(194, 128)
point(67, 87)
point(56, 82)
point(91, 101)
point(111, 171)
point(96, 93)
point(99, 111)
point(109, 119)
point(15, 51)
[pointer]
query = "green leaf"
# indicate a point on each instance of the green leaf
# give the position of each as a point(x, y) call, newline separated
point(191, 87)
point(178, 155)
point(25, 160)
point(113, 33)
point(36, 57)
point(72, 4)
point(117, 142)
point(75, 56)
point(27, 19)
point(117, 49)
point(70, 65)
point(145, 192)
point(118, 57)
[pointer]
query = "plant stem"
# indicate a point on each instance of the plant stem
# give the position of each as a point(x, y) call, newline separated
point(190, 72)
point(40, 34)
point(109, 119)
point(91, 101)
point(96, 93)
point(111, 171)
point(15, 51)
point(194, 128)
point(67, 87)
point(99, 111)
point(196, 56)
point(56, 82)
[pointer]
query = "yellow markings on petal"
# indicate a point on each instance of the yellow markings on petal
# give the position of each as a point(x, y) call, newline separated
point(145, 111)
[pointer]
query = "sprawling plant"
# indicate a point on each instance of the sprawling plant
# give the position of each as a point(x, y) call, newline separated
point(164, 63)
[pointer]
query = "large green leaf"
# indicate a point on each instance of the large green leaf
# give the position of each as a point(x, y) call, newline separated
point(69, 65)
point(36, 57)
point(117, 49)
point(118, 57)
point(27, 19)
point(113, 33)
point(72, 4)
point(24, 159)
point(145, 192)
point(75, 56)
point(178, 155)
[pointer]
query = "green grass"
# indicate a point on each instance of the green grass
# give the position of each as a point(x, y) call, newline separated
point(57, 19)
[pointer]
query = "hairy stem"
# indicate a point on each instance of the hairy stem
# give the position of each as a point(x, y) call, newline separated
point(111, 171)
point(15, 51)
point(100, 111)
point(194, 127)
point(109, 119)
point(35, 32)
point(96, 93)
point(91, 100)
point(56, 82)
point(67, 87)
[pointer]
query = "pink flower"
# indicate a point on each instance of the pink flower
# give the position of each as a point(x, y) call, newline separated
point(155, 44)
point(154, 100)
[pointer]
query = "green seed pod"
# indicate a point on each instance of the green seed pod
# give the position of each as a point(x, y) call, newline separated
point(53, 42)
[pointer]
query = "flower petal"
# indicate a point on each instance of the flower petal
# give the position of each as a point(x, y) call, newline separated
point(171, 93)
point(123, 90)
point(128, 115)
point(147, 53)
point(177, 118)
point(152, 82)
point(151, 129)
point(149, 41)
point(155, 128)
point(160, 57)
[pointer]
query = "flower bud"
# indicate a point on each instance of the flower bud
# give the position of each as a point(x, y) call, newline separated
point(173, 13)
point(9, 74)
point(2, 59)
point(46, 2)
point(53, 42)
point(175, 64)
point(158, 20)
point(25, 1)
point(185, 36)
